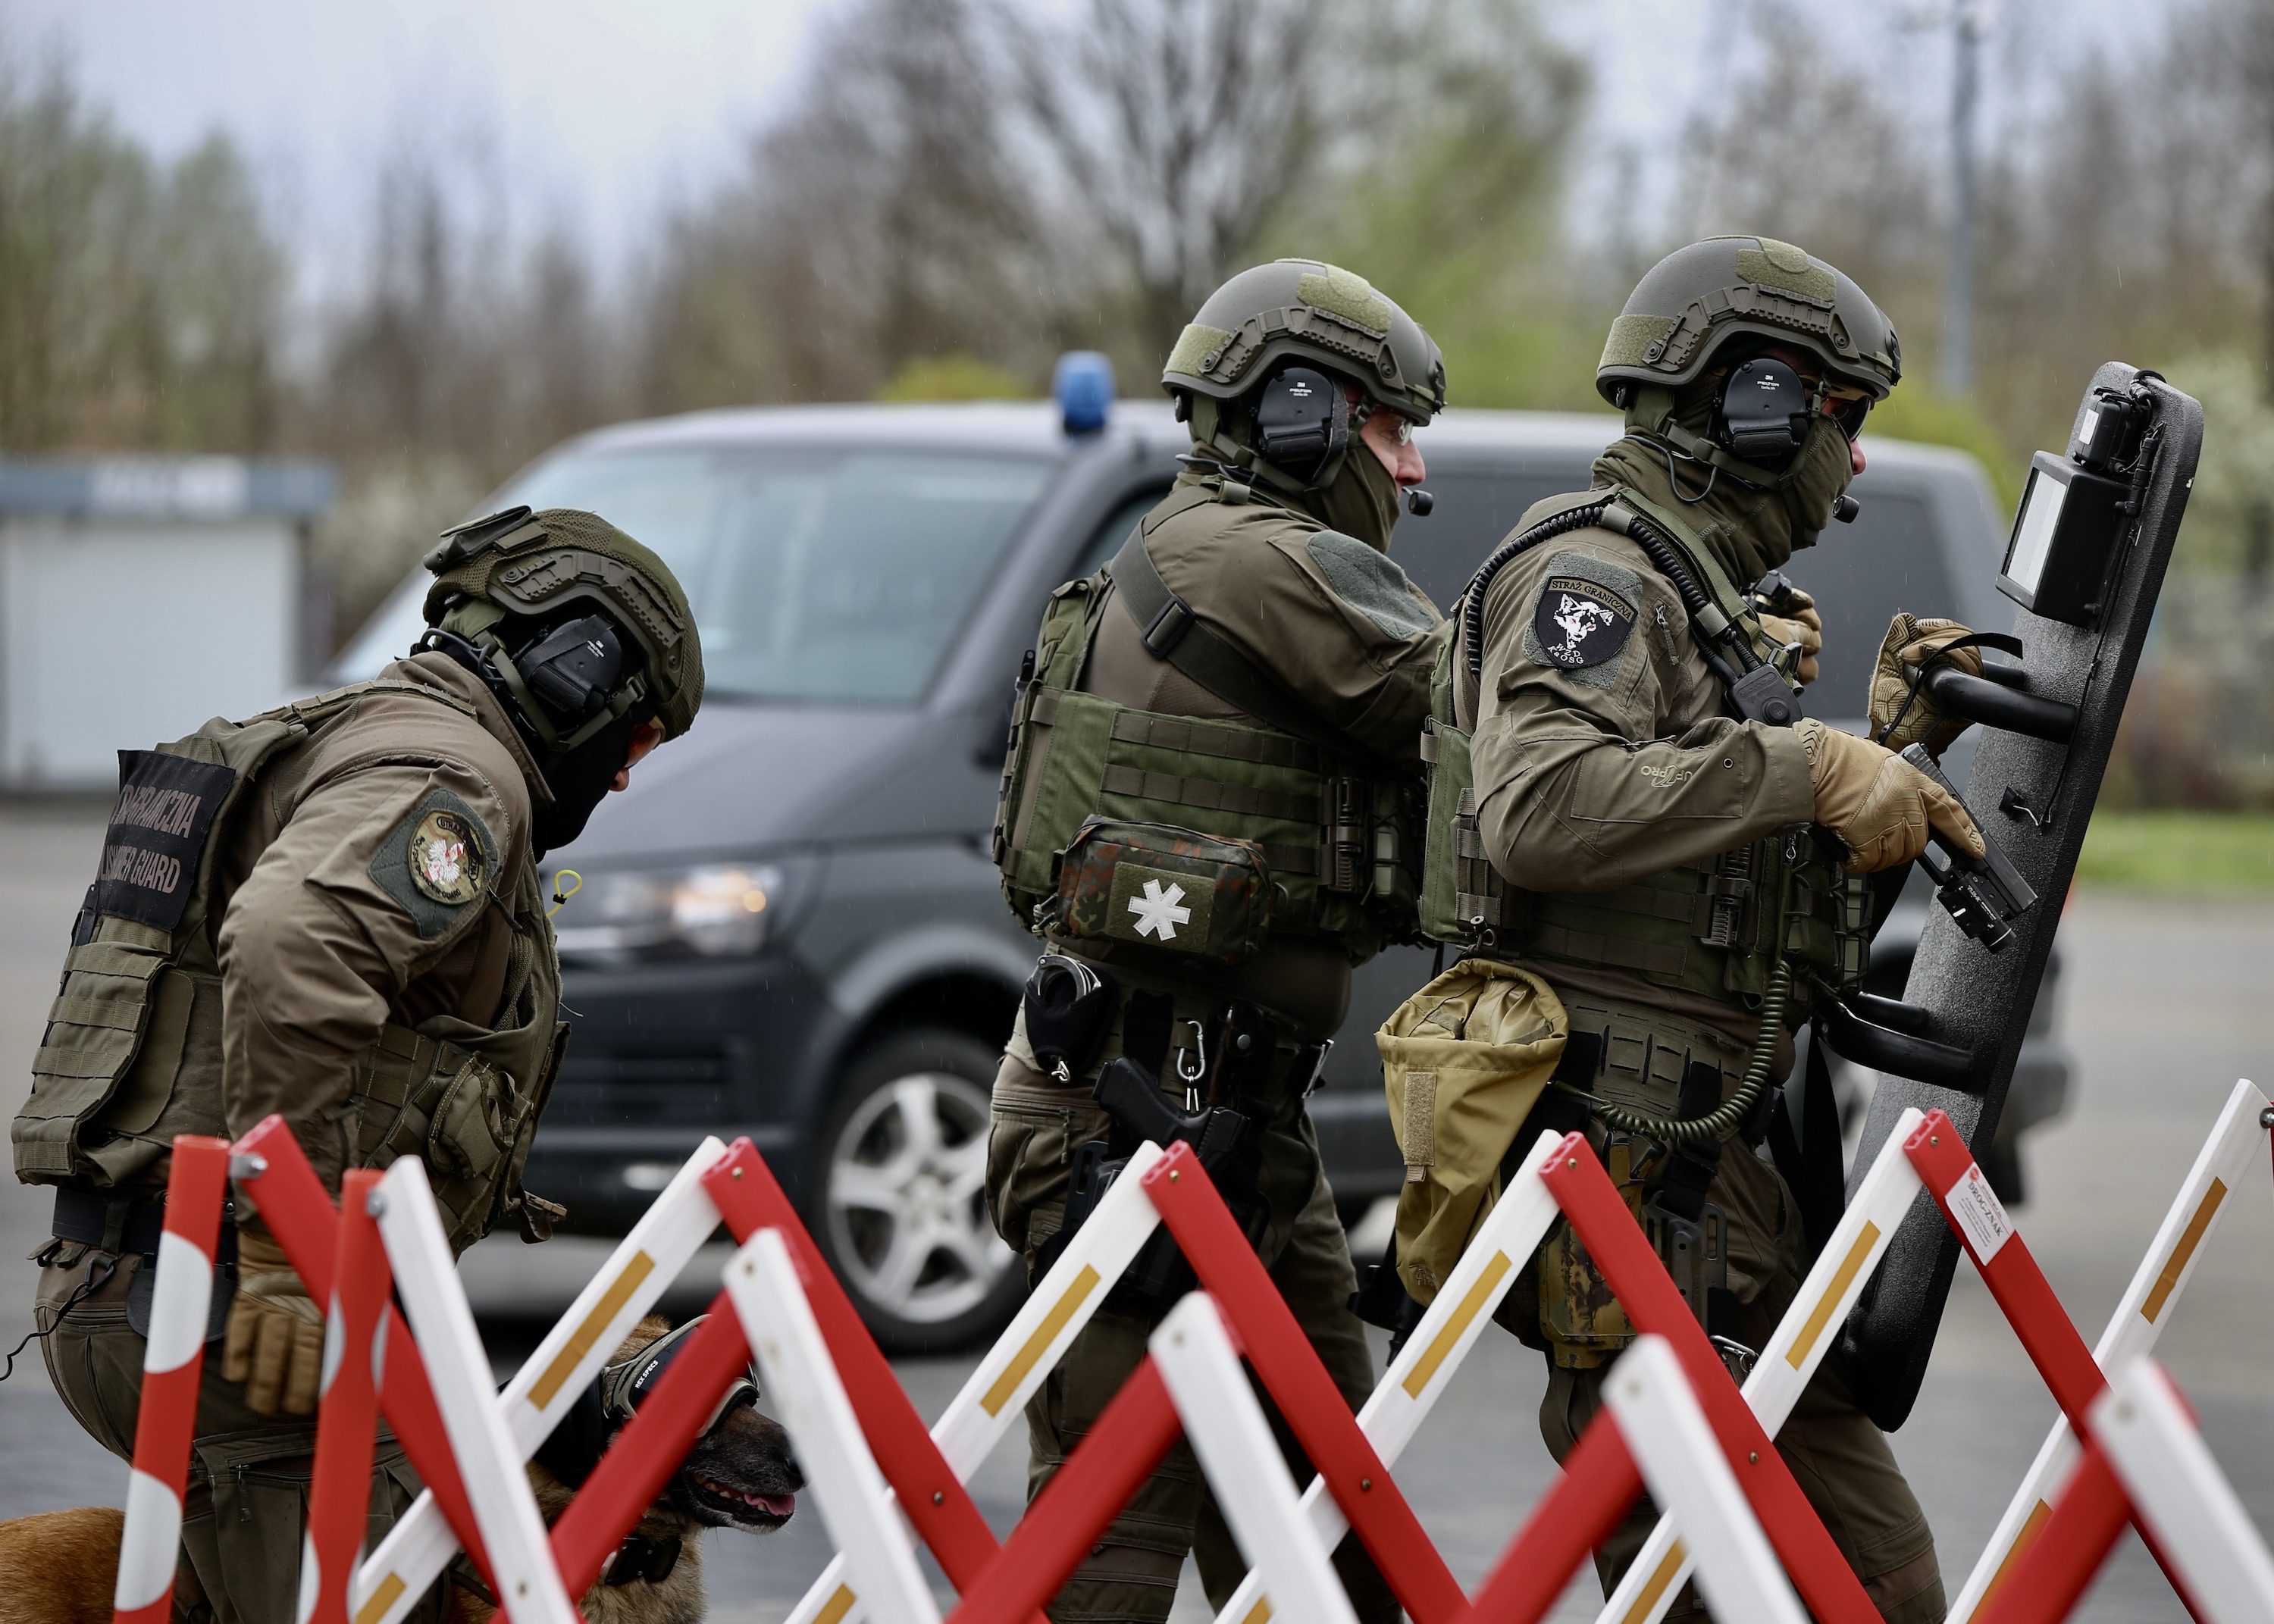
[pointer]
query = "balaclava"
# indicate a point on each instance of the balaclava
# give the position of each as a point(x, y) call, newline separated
point(1751, 530)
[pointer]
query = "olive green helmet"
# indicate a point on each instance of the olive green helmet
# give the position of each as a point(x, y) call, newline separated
point(534, 564)
point(1328, 316)
point(1690, 305)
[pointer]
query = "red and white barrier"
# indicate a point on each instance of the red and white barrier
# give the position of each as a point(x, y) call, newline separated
point(489, 1463)
point(181, 1304)
point(1660, 1417)
point(1233, 1444)
point(2237, 1139)
point(1843, 1267)
point(339, 1489)
point(1673, 1419)
point(841, 1474)
point(637, 1272)
point(2165, 1467)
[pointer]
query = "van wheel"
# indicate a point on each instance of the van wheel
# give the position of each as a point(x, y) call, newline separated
point(901, 1211)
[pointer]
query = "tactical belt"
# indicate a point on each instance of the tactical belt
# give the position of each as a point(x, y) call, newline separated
point(126, 1223)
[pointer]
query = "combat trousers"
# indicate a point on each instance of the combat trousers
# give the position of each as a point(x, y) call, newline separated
point(1130, 1576)
point(1840, 1459)
point(247, 1506)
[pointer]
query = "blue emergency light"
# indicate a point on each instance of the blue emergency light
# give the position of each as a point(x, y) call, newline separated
point(1082, 384)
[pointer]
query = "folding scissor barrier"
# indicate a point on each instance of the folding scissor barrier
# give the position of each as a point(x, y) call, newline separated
point(885, 1478)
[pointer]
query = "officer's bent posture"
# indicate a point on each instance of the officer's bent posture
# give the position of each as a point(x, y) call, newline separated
point(333, 913)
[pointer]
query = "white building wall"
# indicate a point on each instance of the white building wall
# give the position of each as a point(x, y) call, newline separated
point(119, 634)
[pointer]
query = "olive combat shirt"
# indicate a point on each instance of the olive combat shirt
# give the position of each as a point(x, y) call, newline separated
point(1602, 748)
point(323, 940)
point(1328, 618)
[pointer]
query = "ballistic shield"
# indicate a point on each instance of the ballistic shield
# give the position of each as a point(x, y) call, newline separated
point(2093, 569)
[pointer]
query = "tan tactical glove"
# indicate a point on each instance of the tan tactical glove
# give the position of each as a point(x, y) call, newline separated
point(1910, 642)
point(1878, 803)
point(275, 1340)
point(1805, 627)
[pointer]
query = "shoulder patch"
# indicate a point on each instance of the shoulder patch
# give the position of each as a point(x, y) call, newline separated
point(1583, 616)
point(1369, 582)
point(439, 860)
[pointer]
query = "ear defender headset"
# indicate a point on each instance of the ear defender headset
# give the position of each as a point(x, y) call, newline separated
point(1302, 421)
point(1762, 412)
point(564, 685)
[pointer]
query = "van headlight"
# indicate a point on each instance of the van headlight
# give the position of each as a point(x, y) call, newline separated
point(710, 911)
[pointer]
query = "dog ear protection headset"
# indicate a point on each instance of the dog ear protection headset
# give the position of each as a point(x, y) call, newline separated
point(574, 1445)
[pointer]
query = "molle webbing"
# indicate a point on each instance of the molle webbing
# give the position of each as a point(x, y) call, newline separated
point(1194, 737)
point(1335, 826)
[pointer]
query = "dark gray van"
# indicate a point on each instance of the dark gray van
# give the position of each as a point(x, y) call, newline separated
point(790, 927)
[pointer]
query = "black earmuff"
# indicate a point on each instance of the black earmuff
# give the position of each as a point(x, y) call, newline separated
point(574, 668)
point(1302, 421)
point(1762, 414)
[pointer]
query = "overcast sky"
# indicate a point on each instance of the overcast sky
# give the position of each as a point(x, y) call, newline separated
point(594, 112)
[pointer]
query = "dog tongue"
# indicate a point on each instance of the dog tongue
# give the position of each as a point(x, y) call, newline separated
point(778, 1505)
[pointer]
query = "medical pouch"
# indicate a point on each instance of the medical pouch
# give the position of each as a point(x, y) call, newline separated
point(1159, 886)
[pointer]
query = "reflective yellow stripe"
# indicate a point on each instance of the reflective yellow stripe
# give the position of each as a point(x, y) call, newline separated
point(2021, 1542)
point(1820, 1315)
point(1648, 1600)
point(2168, 1282)
point(1023, 1361)
point(381, 1599)
point(1260, 1612)
point(564, 1363)
point(835, 1608)
point(1442, 1349)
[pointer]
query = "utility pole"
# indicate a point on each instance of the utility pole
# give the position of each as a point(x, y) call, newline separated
point(1969, 21)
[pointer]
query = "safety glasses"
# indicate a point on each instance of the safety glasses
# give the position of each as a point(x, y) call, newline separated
point(1848, 408)
point(629, 1383)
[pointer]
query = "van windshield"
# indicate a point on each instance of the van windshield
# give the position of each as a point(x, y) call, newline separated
point(816, 576)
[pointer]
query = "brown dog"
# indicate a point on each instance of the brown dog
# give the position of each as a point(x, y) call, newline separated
point(61, 1566)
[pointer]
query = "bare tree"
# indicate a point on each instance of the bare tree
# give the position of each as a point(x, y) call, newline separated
point(1173, 130)
point(878, 220)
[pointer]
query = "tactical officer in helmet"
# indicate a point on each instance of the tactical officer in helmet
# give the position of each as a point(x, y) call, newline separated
point(333, 913)
point(1210, 813)
point(1655, 830)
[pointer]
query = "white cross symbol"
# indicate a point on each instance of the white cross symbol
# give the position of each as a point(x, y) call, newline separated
point(1158, 914)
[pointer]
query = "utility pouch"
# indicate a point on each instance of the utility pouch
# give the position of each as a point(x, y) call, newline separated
point(1463, 1062)
point(1156, 885)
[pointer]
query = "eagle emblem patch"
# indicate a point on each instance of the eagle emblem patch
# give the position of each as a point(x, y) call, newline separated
point(1578, 623)
point(446, 858)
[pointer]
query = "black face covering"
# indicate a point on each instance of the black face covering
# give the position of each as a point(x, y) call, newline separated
point(578, 780)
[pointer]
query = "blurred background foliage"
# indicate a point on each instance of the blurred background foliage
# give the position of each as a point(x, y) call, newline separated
point(959, 190)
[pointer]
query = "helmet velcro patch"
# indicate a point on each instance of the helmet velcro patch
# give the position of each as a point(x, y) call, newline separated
point(1348, 295)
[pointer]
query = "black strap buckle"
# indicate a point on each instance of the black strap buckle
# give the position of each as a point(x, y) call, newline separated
point(1169, 627)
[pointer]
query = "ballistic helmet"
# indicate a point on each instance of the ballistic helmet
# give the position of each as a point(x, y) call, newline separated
point(1693, 303)
point(1320, 313)
point(539, 565)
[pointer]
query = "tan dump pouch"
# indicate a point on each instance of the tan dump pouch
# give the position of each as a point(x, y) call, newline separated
point(1463, 1061)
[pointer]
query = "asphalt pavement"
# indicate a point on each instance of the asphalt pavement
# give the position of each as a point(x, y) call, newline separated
point(2165, 1004)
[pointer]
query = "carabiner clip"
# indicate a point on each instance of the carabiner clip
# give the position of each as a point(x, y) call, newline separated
point(1192, 1078)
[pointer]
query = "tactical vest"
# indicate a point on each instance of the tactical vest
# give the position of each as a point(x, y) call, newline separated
point(1714, 928)
point(1105, 811)
point(133, 1051)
